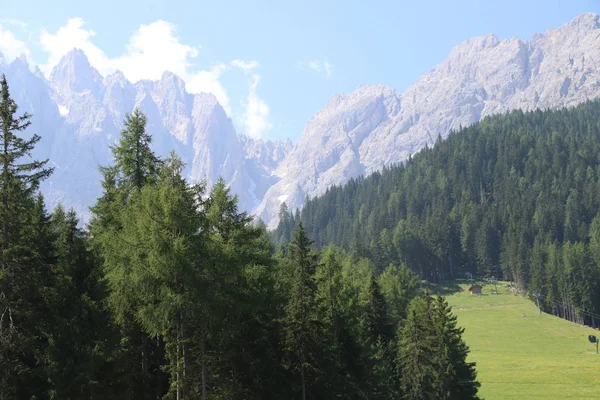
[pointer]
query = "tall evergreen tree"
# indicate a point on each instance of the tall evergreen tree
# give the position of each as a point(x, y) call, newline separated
point(417, 352)
point(134, 158)
point(24, 273)
point(135, 167)
point(152, 264)
point(82, 339)
point(301, 322)
point(432, 355)
point(458, 376)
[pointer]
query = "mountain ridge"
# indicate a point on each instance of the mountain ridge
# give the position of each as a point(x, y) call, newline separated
point(481, 76)
point(355, 134)
point(81, 114)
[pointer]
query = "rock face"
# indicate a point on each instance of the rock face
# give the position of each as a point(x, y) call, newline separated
point(360, 132)
point(79, 114)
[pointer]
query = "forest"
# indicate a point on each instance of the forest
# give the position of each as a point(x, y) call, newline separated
point(170, 292)
point(513, 197)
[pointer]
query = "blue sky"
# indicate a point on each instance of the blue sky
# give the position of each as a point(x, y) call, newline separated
point(273, 63)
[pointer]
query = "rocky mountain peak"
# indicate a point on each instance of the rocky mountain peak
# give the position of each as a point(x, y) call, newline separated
point(585, 21)
point(116, 77)
point(474, 45)
point(206, 104)
point(74, 74)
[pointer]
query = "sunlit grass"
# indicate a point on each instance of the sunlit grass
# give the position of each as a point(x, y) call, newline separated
point(521, 354)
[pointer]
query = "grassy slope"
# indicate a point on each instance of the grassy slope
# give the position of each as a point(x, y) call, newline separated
point(535, 357)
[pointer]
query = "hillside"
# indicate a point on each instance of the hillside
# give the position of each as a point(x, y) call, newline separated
point(531, 357)
point(513, 196)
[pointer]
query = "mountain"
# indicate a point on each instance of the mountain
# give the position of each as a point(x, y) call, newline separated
point(360, 132)
point(79, 114)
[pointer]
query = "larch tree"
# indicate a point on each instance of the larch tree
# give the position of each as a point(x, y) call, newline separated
point(135, 166)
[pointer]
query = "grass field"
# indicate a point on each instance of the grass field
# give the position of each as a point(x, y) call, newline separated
point(531, 357)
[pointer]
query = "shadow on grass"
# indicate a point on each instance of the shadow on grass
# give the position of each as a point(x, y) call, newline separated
point(445, 288)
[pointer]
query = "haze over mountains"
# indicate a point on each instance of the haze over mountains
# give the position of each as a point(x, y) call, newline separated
point(79, 114)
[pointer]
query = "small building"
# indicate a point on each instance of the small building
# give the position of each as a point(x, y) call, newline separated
point(475, 289)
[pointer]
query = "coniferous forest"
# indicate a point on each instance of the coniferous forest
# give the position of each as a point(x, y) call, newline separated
point(513, 197)
point(170, 292)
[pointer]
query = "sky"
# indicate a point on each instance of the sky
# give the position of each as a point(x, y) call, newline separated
point(271, 64)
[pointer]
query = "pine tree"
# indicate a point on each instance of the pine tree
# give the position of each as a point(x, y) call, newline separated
point(24, 274)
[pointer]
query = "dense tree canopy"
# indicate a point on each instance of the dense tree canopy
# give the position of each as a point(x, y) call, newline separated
point(172, 293)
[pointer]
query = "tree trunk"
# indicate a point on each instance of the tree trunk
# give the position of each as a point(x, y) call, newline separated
point(145, 357)
point(203, 369)
point(303, 377)
point(178, 363)
point(159, 388)
point(183, 354)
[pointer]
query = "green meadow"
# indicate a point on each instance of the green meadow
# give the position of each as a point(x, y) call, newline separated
point(521, 354)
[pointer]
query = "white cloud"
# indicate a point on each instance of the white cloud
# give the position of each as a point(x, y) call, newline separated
point(68, 37)
point(209, 81)
point(256, 114)
point(318, 66)
point(153, 49)
point(10, 46)
point(328, 68)
point(12, 21)
point(245, 65)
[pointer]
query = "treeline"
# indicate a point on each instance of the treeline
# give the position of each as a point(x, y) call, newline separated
point(514, 197)
point(172, 293)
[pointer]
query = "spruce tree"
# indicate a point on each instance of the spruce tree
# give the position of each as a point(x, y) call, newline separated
point(417, 352)
point(82, 339)
point(341, 347)
point(432, 355)
point(24, 273)
point(458, 377)
point(241, 303)
point(301, 322)
point(379, 344)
